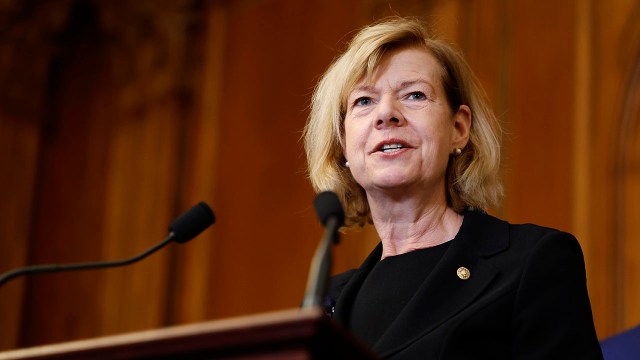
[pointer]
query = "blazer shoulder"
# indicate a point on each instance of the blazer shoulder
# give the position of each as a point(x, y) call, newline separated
point(492, 236)
point(535, 236)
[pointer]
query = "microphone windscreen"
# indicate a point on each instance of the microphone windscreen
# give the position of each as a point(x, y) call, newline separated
point(192, 222)
point(328, 205)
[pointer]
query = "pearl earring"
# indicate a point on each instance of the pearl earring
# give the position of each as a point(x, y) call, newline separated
point(458, 151)
point(346, 164)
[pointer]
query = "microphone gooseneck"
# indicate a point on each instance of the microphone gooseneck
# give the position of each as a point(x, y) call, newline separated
point(184, 228)
point(331, 215)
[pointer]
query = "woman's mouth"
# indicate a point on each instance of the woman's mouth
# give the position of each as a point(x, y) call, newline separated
point(389, 148)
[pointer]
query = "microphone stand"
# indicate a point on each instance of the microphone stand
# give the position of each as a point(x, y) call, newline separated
point(184, 228)
point(53, 268)
point(318, 279)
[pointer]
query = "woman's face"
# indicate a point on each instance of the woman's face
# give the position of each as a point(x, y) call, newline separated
point(399, 127)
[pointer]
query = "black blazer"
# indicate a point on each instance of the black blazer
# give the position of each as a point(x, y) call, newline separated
point(525, 298)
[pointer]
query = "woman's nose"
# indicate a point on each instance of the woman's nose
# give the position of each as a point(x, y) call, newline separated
point(388, 114)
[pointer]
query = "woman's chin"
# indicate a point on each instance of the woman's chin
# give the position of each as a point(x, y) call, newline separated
point(392, 183)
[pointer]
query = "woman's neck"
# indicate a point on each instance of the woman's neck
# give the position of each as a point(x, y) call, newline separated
point(409, 224)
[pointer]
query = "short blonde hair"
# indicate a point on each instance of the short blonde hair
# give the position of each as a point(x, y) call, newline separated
point(472, 177)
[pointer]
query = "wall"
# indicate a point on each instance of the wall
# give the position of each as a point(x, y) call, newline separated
point(116, 118)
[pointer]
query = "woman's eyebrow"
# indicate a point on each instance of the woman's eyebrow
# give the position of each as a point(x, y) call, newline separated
point(365, 88)
point(406, 84)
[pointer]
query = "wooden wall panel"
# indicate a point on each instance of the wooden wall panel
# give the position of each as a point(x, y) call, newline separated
point(137, 216)
point(107, 169)
point(606, 92)
point(267, 229)
point(582, 127)
point(190, 275)
point(208, 103)
point(69, 198)
point(19, 139)
point(627, 160)
point(615, 53)
point(539, 114)
point(25, 49)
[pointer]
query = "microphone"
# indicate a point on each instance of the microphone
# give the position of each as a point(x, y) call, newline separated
point(184, 228)
point(331, 215)
point(192, 222)
point(329, 210)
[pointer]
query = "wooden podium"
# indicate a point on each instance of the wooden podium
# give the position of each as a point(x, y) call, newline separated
point(290, 334)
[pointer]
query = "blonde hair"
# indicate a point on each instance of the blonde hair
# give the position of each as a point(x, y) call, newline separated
point(472, 177)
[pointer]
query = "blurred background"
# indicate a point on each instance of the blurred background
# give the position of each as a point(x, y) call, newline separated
point(116, 116)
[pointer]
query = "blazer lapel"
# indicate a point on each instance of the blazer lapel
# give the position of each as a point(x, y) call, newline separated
point(443, 294)
point(348, 294)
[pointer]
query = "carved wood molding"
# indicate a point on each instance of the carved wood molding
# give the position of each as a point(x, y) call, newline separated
point(147, 42)
point(27, 44)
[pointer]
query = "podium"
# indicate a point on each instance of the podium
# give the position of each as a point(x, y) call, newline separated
point(290, 334)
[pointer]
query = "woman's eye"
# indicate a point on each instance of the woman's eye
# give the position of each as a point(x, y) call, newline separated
point(362, 101)
point(417, 95)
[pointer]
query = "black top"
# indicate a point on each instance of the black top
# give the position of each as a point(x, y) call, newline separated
point(388, 288)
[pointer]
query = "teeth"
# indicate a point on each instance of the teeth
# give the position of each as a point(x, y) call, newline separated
point(391, 147)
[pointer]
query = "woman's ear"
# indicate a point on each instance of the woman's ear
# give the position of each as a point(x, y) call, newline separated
point(461, 127)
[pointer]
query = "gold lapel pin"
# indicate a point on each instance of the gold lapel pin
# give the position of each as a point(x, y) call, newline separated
point(463, 273)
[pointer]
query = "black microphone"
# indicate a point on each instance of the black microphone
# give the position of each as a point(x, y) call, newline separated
point(331, 215)
point(329, 211)
point(184, 228)
point(194, 221)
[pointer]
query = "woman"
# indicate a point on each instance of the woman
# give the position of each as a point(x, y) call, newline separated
point(401, 131)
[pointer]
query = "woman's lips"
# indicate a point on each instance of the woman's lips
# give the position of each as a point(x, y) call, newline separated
point(390, 146)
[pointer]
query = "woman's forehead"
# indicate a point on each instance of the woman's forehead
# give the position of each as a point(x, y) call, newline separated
point(403, 66)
